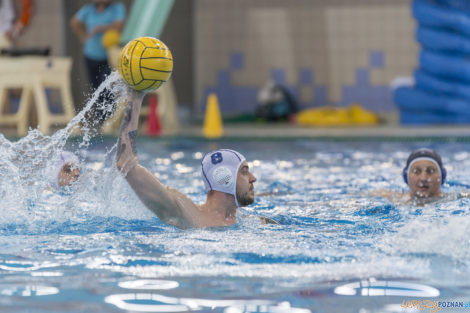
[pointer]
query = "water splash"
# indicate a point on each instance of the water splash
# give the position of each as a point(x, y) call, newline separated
point(332, 232)
point(26, 197)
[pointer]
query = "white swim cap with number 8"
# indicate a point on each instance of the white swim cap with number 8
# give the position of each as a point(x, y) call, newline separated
point(219, 170)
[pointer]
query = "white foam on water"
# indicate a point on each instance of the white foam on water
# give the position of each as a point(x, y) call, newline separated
point(25, 196)
point(448, 236)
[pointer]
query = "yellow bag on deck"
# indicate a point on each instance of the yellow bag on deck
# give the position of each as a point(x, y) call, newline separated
point(355, 114)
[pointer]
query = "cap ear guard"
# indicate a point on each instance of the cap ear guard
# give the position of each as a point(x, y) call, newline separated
point(405, 175)
point(222, 177)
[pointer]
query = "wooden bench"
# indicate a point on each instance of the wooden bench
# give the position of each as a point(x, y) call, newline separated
point(33, 75)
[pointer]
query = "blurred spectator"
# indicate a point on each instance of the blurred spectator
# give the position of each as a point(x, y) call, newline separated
point(12, 24)
point(89, 24)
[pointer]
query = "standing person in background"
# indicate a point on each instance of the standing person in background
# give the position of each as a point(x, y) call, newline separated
point(90, 23)
point(13, 23)
point(7, 14)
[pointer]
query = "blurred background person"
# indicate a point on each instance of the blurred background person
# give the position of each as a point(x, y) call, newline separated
point(12, 23)
point(6, 20)
point(89, 24)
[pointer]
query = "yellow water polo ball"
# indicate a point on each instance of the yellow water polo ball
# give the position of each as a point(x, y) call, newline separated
point(145, 63)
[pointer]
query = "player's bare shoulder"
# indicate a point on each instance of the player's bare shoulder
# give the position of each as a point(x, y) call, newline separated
point(185, 211)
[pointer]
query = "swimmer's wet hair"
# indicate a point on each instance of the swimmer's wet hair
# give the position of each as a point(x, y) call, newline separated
point(424, 153)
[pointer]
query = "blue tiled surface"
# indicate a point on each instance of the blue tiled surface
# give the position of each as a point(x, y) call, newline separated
point(376, 59)
point(224, 78)
point(237, 60)
point(306, 76)
point(278, 75)
point(321, 97)
point(243, 99)
point(362, 77)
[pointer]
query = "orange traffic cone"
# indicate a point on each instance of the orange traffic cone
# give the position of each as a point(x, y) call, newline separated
point(212, 120)
point(153, 122)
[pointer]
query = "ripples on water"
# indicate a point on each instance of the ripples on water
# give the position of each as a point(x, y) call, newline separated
point(96, 248)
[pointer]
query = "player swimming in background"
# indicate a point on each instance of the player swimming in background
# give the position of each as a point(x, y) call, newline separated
point(424, 174)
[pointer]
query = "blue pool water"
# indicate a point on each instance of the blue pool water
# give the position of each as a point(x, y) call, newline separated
point(96, 248)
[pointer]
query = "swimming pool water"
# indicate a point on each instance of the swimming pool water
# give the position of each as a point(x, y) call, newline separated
point(96, 248)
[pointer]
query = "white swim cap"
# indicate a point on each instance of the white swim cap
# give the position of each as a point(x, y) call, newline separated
point(55, 165)
point(219, 171)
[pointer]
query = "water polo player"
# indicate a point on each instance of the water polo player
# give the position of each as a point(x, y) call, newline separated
point(63, 170)
point(424, 174)
point(226, 175)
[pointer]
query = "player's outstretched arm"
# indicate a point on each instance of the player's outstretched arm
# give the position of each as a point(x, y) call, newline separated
point(161, 200)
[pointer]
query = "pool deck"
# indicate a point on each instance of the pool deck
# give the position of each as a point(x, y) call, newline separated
point(285, 131)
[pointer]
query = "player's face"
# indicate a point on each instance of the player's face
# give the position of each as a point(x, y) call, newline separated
point(245, 188)
point(424, 180)
point(68, 174)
